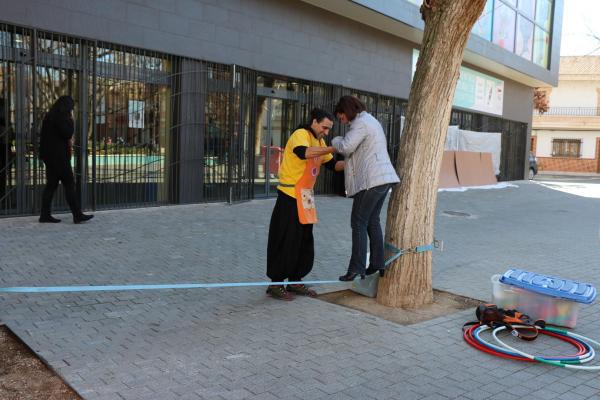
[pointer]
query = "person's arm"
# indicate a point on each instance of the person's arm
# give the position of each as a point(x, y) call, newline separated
point(312, 152)
point(347, 145)
point(304, 152)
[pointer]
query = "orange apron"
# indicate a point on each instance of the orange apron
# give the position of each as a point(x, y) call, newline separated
point(305, 195)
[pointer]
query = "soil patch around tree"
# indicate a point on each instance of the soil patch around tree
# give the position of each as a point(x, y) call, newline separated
point(444, 303)
point(23, 376)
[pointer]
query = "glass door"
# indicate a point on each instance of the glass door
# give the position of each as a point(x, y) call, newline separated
point(276, 120)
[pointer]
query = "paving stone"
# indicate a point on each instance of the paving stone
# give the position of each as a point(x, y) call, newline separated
point(236, 343)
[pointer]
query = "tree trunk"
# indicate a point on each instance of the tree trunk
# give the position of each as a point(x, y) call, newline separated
point(411, 210)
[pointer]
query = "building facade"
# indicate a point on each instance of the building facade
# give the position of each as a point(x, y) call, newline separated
point(187, 101)
point(566, 138)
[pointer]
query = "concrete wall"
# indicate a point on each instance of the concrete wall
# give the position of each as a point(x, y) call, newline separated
point(408, 14)
point(544, 141)
point(287, 37)
point(575, 94)
point(518, 102)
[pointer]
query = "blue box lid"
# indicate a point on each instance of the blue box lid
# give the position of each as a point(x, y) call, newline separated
point(550, 285)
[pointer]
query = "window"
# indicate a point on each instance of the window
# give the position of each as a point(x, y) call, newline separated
point(503, 33)
point(566, 147)
point(522, 27)
point(524, 45)
point(483, 26)
point(527, 7)
point(541, 43)
point(543, 13)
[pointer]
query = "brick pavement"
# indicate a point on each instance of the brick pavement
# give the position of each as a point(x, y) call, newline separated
point(238, 344)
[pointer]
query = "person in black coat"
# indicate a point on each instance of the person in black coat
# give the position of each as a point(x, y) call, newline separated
point(57, 130)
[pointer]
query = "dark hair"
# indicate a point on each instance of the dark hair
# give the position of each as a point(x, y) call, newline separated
point(62, 106)
point(349, 105)
point(319, 114)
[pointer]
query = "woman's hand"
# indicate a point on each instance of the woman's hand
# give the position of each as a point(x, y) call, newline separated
point(339, 166)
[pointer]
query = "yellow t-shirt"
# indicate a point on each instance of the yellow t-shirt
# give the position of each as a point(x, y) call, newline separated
point(292, 166)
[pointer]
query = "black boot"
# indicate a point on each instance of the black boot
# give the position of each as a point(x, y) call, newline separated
point(48, 218)
point(371, 271)
point(82, 218)
point(350, 276)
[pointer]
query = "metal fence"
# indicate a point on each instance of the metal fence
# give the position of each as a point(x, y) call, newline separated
point(151, 128)
point(513, 136)
point(156, 129)
point(571, 111)
point(128, 124)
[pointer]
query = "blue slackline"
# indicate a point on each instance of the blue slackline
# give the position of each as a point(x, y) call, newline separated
point(63, 289)
point(106, 288)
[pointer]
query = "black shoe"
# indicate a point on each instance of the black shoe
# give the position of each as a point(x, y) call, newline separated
point(49, 218)
point(371, 271)
point(82, 218)
point(350, 276)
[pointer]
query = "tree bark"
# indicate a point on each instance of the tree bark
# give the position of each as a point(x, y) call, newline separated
point(411, 210)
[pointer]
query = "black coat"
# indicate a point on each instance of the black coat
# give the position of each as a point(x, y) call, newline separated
point(54, 139)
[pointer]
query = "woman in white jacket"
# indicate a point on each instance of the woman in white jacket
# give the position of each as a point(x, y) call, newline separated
point(369, 175)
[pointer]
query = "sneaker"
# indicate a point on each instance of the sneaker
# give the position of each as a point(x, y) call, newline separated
point(301, 289)
point(278, 292)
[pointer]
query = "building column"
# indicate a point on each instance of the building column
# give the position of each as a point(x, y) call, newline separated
point(598, 155)
point(189, 146)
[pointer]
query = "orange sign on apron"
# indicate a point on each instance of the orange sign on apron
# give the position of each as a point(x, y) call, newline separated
point(305, 195)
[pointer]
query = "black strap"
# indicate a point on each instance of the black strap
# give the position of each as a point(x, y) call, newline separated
point(494, 317)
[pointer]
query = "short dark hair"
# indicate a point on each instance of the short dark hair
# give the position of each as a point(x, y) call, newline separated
point(319, 114)
point(350, 106)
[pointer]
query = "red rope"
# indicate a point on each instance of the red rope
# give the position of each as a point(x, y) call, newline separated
point(469, 338)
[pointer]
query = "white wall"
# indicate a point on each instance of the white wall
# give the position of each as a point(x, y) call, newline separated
point(575, 94)
point(544, 141)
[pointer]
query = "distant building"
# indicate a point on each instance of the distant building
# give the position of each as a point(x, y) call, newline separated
point(566, 138)
point(187, 101)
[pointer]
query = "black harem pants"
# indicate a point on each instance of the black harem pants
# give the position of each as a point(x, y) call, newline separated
point(291, 249)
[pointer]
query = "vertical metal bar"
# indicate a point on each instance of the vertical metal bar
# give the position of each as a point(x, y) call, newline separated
point(269, 137)
point(136, 93)
point(83, 73)
point(35, 127)
point(9, 91)
point(174, 161)
point(94, 132)
point(19, 125)
point(4, 128)
point(231, 128)
point(120, 172)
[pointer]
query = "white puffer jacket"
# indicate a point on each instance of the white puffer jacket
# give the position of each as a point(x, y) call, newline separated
point(365, 150)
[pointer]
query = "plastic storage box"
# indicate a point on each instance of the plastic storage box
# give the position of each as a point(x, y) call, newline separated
point(553, 299)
